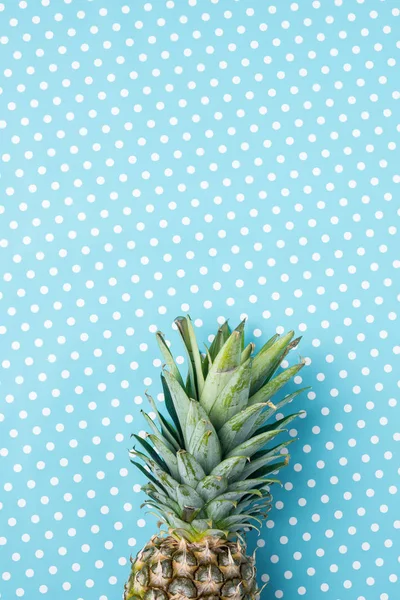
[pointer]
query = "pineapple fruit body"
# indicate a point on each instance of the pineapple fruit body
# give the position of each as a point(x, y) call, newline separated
point(211, 465)
point(213, 569)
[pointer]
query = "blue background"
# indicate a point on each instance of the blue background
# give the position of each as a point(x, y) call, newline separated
point(224, 159)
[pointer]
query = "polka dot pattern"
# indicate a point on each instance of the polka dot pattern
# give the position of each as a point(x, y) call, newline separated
point(218, 158)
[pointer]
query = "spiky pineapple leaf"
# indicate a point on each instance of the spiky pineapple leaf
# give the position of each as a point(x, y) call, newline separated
point(161, 476)
point(254, 444)
point(205, 446)
point(189, 513)
point(185, 328)
point(179, 399)
point(234, 496)
point(274, 407)
point(254, 466)
point(157, 432)
point(240, 330)
point(230, 468)
point(168, 431)
point(177, 523)
point(195, 415)
point(168, 482)
point(246, 484)
point(260, 362)
point(218, 509)
point(150, 423)
point(274, 367)
point(266, 359)
point(187, 496)
point(168, 457)
point(246, 506)
point(167, 356)
point(190, 390)
point(275, 384)
point(190, 470)
point(206, 361)
point(154, 493)
point(221, 533)
point(171, 409)
point(212, 486)
point(225, 364)
point(233, 397)
point(247, 352)
point(236, 430)
point(279, 423)
point(219, 340)
point(164, 509)
point(232, 520)
point(148, 475)
point(244, 527)
point(263, 471)
point(151, 452)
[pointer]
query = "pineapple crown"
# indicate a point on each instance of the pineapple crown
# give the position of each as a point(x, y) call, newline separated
point(209, 467)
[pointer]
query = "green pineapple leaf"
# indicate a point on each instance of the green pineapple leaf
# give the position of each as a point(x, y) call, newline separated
point(168, 457)
point(212, 486)
point(246, 484)
point(148, 475)
point(168, 482)
point(151, 452)
point(205, 446)
point(177, 523)
point(234, 497)
point(189, 513)
point(167, 356)
point(254, 466)
point(154, 493)
point(263, 471)
point(238, 428)
point(187, 496)
point(274, 407)
point(179, 399)
point(233, 397)
point(254, 444)
point(206, 361)
point(267, 358)
point(190, 471)
point(244, 525)
point(247, 352)
point(171, 410)
point(219, 340)
point(279, 423)
point(225, 364)
point(260, 362)
point(195, 415)
point(218, 509)
point(228, 522)
point(230, 468)
point(250, 505)
point(185, 328)
point(240, 330)
point(275, 384)
point(164, 509)
point(291, 346)
point(156, 432)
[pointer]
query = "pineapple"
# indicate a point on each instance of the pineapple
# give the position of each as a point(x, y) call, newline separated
point(209, 467)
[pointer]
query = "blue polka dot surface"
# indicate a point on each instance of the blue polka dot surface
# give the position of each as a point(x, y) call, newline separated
point(218, 158)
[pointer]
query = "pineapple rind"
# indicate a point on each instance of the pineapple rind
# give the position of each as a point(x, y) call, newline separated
point(167, 568)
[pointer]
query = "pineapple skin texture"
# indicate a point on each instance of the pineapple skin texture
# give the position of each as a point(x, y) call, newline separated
point(212, 568)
